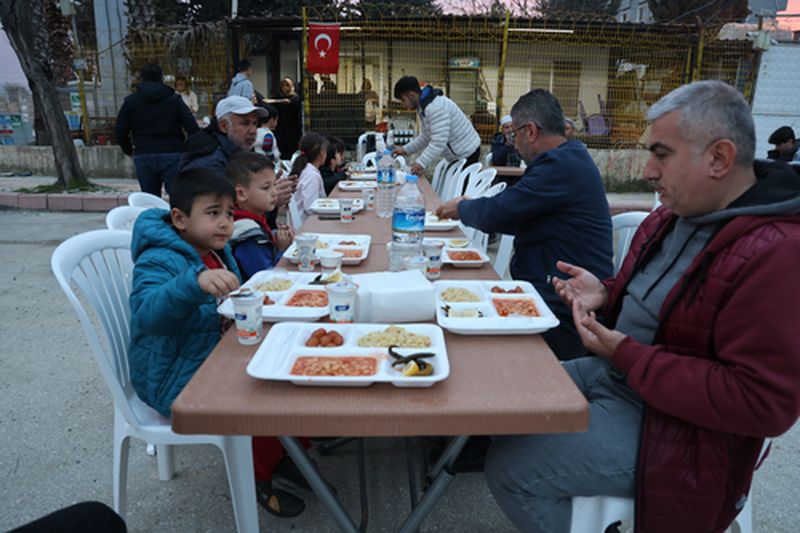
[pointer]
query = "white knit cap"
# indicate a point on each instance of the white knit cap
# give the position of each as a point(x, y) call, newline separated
point(505, 120)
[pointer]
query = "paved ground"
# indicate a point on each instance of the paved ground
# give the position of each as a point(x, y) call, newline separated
point(56, 419)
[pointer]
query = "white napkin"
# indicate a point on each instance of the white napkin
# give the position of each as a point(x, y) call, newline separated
point(391, 297)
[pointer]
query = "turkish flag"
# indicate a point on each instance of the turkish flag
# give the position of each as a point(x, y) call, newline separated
point(323, 48)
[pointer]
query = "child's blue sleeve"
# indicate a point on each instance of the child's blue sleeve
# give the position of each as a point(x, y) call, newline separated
point(254, 255)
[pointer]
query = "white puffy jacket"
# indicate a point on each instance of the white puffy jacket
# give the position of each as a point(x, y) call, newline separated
point(446, 132)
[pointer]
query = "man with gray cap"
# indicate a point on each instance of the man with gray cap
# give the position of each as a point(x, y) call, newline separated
point(786, 148)
point(234, 127)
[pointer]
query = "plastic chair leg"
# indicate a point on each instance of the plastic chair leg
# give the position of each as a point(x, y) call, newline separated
point(238, 454)
point(121, 447)
point(151, 449)
point(165, 455)
point(743, 523)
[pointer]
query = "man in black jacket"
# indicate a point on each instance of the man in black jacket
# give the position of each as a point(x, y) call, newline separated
point(159, 122)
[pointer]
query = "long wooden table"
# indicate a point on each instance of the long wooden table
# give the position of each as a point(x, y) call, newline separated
point(497, 385)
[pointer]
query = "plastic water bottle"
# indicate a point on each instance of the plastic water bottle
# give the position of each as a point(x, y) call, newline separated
point(384, 197)
point(408, 220)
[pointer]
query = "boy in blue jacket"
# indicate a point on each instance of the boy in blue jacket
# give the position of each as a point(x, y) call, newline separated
point(255, 246)
point(183, 264)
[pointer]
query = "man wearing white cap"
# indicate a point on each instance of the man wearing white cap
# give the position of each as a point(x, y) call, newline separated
point(504, 153)
point(234, 129)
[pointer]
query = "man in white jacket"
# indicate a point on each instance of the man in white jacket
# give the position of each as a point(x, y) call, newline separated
point(446, 130)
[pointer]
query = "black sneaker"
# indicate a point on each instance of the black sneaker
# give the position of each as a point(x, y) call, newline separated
point(279, 502)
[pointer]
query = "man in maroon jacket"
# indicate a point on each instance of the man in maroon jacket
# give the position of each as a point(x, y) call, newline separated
point(697, 357)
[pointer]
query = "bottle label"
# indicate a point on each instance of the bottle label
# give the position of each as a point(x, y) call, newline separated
point(409, 221)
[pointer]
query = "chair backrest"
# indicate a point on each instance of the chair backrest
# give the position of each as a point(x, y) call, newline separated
point(369, 159)
point(145, 199)
point(503, 258)
point(625, 225)
point(479, 183)
point(487, 159)
point(361, 144)
point(295, 216)
point(438, 176)
point(123, 217)
point(99, 264)
point(400, 162)
point(495, 189)
point(454, 183)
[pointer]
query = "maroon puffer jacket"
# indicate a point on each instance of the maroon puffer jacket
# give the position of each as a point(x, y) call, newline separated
point(723, 371)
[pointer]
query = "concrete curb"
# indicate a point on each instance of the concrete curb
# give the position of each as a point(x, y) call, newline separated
point(63, 202)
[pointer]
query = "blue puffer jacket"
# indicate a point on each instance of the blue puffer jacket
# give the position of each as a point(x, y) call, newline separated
point(174, 324)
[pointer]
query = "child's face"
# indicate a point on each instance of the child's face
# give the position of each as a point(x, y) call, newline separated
point(272, 123)
point(210, 224)
point(339, 159)
point(260, 196)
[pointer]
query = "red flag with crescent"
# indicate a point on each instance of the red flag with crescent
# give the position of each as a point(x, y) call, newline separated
point(323, 48)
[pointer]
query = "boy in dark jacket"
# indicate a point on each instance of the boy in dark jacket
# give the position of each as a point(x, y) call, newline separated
point(159, 122)
point(255, 246)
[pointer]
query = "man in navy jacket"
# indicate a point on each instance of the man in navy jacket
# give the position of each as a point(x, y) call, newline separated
point(159, 122)
point(557, 210)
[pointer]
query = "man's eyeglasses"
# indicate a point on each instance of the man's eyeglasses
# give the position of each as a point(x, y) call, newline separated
point(513, 135)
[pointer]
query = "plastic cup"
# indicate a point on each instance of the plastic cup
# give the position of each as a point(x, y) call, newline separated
point(368, 196)
point(416, 262)
point(306, 245)
point(432, 250)
point(330, 261)
point(342, 301)
point(247, 312)
point(346, 210)
point(398, 252)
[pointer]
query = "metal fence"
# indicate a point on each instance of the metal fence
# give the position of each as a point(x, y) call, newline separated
point(605, 74)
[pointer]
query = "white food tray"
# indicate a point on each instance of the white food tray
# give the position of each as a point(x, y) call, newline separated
point(491, 323)
point(279, 311)
point(359, 175)
point(285, 342)
point(330, 241)
point(477, 263)
point(327, 206)
point(351, 185)
point(434, 223)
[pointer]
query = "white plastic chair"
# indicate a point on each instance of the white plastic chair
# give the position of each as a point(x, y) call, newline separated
point(495, 189)
point(369, 159)
point(123, 217)
point(438, 176)
point(594, 514)
point(400, 162)
point(361, 145)
point(145, 199)
point(295, 216)
point(503, 258)
point(625, 225)
point(480, 182)
point(487, 159)
point(455, 179)
point(99, 264)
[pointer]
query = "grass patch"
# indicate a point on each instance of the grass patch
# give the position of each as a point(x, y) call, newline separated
point(628, 186)
point(81, 186)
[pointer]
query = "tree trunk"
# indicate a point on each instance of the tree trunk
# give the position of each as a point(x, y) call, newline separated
point(26, 26)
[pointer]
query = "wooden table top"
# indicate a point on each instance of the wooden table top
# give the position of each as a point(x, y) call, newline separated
point(497, 384)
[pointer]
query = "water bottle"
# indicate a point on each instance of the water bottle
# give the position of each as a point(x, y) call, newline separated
point(408, 220)
point(384, 197)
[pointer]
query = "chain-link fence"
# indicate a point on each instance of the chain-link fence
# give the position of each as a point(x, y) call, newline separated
point(604, 73)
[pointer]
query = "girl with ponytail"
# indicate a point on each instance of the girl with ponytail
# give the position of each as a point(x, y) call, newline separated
point(313, 151)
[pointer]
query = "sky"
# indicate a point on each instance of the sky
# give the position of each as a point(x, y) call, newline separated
point(10, 71)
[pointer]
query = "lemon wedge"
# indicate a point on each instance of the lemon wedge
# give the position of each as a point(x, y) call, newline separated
point(412, 369)
point(458, 243)
point(333, 277)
